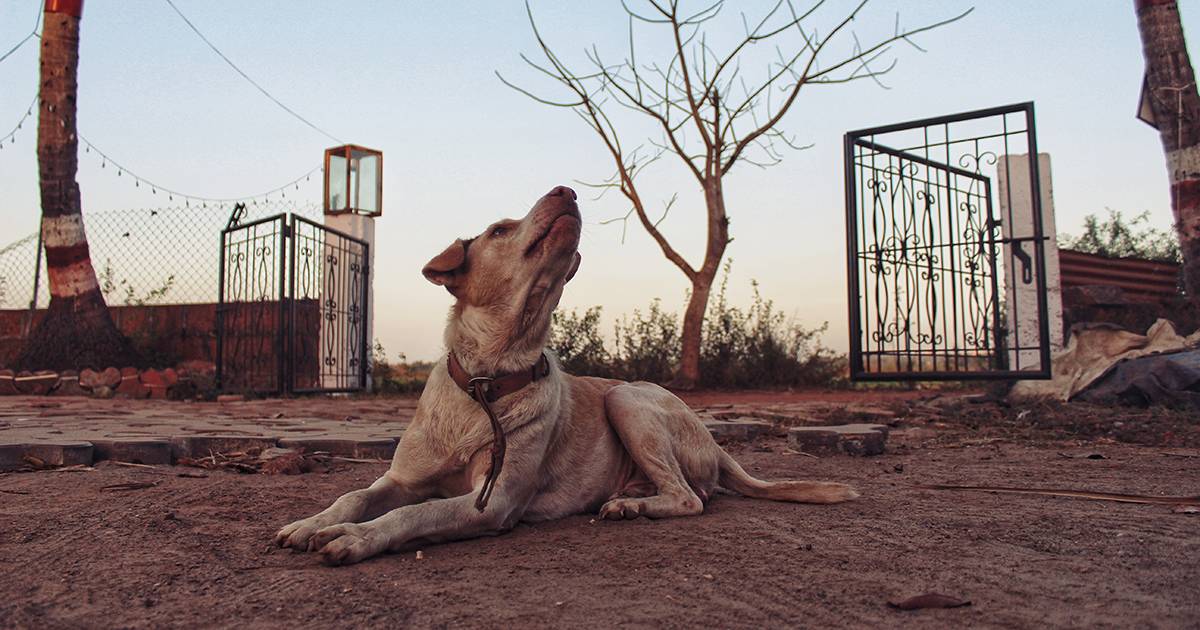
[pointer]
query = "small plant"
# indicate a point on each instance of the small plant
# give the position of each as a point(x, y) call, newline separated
point(1118, 237)
point(757, 347)
point(399, 378)
point(109, 285)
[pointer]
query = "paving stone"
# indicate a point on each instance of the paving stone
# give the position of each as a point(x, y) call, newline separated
point(366, 448)
point(850, 439)
point(196, 446)
point(741, 428)
point(150, 451)
point(52, 453)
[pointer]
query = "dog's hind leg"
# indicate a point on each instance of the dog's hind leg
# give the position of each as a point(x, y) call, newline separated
point(657, 430)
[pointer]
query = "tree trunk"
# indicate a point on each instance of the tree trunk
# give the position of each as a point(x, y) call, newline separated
point(1171, 86)
point(77, 330)
point(688, 375)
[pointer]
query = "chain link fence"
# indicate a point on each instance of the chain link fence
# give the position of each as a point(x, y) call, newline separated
point(163, 255)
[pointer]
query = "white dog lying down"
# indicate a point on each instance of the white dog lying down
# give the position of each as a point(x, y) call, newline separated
point(573, 444)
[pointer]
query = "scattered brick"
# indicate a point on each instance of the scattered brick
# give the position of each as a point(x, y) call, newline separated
point(7, 386)
point(37, 384)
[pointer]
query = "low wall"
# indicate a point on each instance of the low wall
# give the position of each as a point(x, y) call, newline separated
point(165, 334)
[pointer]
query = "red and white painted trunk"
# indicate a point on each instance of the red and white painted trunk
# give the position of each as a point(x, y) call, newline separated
point(1175, 104)
point(76, 330)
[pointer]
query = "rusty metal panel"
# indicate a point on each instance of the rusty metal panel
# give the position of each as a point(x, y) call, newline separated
point(1140, 279)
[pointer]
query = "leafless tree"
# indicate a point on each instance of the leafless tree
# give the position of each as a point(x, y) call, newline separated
point(711, 113)
point(1175, 106)
point(77, 330)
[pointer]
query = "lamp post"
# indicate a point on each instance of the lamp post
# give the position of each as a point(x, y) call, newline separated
point(353, 197)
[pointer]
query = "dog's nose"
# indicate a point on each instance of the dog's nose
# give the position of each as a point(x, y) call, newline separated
point(562, 191)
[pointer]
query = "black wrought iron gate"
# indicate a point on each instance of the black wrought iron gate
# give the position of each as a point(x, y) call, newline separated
point(292, 308)
point(943, 284)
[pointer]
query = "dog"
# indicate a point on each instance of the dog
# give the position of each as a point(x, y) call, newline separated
point(567, 444)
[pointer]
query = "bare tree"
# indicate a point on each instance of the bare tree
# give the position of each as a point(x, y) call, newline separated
point(1175, 109)
point(77, 330)
point(710, 114)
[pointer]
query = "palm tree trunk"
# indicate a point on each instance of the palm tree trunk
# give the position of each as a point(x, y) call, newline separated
point(77, 330)
point(1175, 103)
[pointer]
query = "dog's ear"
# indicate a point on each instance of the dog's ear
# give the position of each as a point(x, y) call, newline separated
point(443, 269)
point(574, 267)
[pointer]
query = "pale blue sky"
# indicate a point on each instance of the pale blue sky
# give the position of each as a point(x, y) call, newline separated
point(461, 150)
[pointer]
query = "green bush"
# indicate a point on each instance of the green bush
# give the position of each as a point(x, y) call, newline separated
point(756, 347)
point(1117, 237)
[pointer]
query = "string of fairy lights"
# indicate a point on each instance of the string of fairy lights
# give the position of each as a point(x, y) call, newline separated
point(171, 194)
point(189, 200)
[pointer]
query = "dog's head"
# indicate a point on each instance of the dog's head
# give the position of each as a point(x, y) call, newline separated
point(509, 279)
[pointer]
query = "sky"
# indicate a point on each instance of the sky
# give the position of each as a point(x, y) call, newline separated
point(417, 80)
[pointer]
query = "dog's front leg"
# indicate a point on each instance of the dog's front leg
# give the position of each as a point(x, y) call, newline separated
point(446, 519)
point(385, 494)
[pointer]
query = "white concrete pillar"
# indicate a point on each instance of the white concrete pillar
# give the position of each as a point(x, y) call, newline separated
point(363, 228)
point(1021, 299)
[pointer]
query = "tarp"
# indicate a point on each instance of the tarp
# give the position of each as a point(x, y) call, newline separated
point(1093, 350)
point(1169, 379)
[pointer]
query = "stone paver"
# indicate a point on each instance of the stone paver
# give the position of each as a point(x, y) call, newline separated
point(63, 431)
point(70, 430)
point(851, 439)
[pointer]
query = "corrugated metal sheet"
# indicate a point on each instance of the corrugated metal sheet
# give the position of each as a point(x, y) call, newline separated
point(1141, 279)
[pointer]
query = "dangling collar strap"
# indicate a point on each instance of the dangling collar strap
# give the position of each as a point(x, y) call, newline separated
point(486, 390)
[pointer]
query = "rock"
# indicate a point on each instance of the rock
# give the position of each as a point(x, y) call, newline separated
point(92, 380)
point(37, 384)
point(68, 385)
point(850, 439)
point(155, 382)
point(131, 385)
point(103, 391)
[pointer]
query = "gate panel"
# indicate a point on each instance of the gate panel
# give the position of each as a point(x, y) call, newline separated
point(328, 339)
point(251, 305)
point(945, 263)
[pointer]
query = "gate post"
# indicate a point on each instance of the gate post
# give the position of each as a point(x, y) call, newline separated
point(362, 227)
point(1015, 192)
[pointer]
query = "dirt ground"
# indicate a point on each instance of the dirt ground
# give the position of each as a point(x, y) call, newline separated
point(105, 548)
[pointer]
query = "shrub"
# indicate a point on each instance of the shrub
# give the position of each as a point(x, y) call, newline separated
point(1118, 237)
point(400, 378)
point(758, 347)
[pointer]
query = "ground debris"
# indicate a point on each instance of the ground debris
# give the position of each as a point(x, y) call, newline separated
point(929, 600)
point(269, 461)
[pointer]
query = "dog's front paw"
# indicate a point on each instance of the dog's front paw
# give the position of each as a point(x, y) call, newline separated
point(346, 543)
point(299, 535)
point(621, 509)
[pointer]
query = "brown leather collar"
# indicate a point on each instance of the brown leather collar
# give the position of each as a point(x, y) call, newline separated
point(494, 388)
point(486, 390)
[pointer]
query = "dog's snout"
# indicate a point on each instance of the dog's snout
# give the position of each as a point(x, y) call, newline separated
point(562, 191)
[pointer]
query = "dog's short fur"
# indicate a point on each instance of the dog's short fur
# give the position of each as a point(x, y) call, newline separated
point(575, 444)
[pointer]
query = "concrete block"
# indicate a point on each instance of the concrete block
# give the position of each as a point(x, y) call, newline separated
point(51, 453)
point(196, 446)
point(366, 448)
point(738, 428)
point(137, 450)
point(850, 439)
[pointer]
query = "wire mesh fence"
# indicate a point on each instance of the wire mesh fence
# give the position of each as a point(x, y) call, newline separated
point(166, 255)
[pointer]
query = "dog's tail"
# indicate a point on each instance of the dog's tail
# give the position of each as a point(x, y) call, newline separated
point(734, 478)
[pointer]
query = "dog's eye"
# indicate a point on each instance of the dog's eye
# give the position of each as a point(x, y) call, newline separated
point(499, 230)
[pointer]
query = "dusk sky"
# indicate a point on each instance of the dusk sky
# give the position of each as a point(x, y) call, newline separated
point(417, 81)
